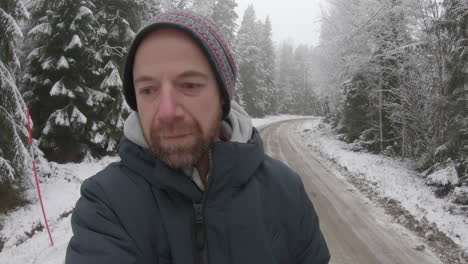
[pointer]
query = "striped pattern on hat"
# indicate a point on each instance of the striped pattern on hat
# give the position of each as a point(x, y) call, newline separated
point(209, 37)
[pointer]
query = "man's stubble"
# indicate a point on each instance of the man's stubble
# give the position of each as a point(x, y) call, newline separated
point(186, 154)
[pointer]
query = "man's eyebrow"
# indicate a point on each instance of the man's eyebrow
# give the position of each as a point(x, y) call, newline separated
point(143, 78)
point(193, 73)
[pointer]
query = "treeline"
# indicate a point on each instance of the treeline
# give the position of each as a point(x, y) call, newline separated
point(273, 78)
point(395, 74)
point(63, 59)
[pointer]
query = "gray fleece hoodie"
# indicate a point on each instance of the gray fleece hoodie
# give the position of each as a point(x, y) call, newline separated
point(237, 127)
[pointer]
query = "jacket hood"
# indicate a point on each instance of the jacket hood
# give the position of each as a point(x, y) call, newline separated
point(237, 127)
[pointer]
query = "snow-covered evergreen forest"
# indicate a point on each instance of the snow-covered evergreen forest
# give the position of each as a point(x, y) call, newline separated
point(393, 75)
point(390, 75)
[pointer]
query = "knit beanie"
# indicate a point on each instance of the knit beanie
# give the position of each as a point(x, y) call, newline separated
point(206, 34)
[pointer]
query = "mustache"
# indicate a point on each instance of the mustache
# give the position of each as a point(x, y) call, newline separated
point(174, 129)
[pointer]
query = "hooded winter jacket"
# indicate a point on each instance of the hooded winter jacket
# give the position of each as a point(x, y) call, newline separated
point(254, 209)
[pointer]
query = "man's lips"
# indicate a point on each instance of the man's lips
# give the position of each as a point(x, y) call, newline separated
point(173, 137)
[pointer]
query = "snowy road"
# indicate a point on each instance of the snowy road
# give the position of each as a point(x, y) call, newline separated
point(356, 230)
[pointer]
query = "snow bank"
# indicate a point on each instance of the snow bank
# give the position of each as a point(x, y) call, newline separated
point(59, 193)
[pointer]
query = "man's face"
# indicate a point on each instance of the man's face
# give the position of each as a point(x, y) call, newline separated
point(178, 97)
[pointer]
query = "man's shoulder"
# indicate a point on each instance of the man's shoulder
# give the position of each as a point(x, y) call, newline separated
point(105, 176)
point(114, 178)
point(278, 168)
point(282, 188)
point(279, 173)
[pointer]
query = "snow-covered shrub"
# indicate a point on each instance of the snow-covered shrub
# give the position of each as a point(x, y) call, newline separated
point(443, 176)
point(389, 151)
point(460, 195)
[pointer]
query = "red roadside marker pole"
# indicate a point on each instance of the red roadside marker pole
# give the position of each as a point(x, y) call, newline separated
point(37, 178)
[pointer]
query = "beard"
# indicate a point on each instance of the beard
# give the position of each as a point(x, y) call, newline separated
point(187, 152)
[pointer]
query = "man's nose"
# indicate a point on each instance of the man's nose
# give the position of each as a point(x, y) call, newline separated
point(169, 108)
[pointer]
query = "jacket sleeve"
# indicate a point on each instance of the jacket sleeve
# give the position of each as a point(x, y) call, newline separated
point(98, 237)
point(311, 246)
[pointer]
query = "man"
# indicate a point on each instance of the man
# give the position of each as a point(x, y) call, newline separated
point(194, 184)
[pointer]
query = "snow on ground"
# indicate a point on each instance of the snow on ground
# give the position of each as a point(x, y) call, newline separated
point(392, 178)
point(60, 193)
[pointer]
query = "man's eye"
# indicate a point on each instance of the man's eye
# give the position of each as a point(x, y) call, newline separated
point(191, 85)
point(146, 91)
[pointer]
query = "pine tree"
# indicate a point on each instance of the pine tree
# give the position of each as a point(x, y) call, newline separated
point(153, 8)
point(115, 33)
point(73, 80)
point(169, 5)
point(222, 12)
point(295, 88)
point(225, 16)
point(299, 80)
point(284, 81)
point(450, 124)
point(59, 65)
point(268, 67)
point(253, 89)
point(260, 99)
point(203, 7)
point(389, 36)
point(15, 158)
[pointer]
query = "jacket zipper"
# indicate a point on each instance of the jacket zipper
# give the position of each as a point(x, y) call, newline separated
point(200, 229)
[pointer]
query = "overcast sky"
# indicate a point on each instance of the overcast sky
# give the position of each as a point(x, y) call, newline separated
point(298, 20)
